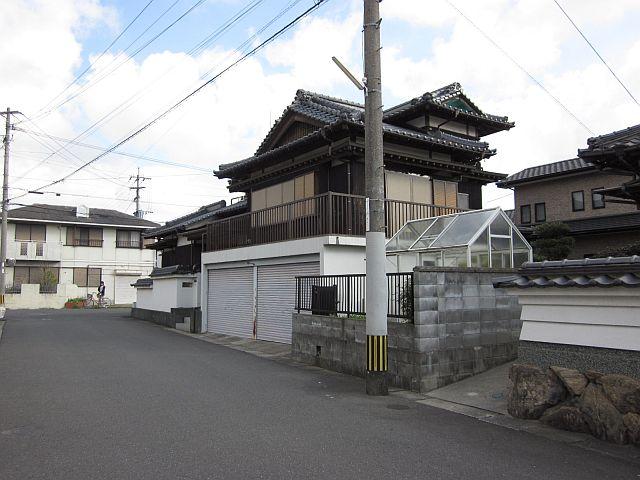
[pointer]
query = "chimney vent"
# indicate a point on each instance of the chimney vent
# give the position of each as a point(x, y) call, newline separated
point(82, 211)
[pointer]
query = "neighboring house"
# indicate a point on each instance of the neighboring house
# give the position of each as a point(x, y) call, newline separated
point(305, 205)
point(570, 191)
point(618, 152)
point(174, 285)
point(58, 246)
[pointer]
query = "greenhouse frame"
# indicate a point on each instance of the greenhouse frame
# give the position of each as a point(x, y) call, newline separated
point(476, 238)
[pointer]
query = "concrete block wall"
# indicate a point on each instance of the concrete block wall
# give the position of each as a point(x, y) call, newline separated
point(462, 326)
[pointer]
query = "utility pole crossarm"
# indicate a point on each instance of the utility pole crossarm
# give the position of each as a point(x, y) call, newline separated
point(138, 213)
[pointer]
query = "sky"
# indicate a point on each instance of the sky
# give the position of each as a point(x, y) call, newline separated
point(427, 44)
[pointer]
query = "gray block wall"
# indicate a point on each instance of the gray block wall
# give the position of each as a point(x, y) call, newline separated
point(462, 326)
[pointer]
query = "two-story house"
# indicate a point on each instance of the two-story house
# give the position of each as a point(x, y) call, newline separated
point(305, 204)
point(570, 191)
point(617, 152)
point(54, 246)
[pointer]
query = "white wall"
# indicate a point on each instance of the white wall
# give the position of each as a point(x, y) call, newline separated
point(168, 292)
point(30, 297)
point(594, 317)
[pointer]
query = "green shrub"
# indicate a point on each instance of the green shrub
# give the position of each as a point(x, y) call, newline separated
point(552, 241)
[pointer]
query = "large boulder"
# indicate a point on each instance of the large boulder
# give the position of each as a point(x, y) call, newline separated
point(533, 391)
point(566, 417)
point(632, 423)
point(574, 381)
point(605, 421)
point(622, 391)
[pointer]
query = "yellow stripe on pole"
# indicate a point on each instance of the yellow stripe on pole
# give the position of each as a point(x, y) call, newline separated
point(377, 353)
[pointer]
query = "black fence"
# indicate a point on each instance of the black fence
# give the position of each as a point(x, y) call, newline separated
point(346, 295)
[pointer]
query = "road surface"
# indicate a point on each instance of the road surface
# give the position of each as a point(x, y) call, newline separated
point(96, 395)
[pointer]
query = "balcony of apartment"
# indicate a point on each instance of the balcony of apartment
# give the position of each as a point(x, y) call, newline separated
point(34, 250)
point(326, 214)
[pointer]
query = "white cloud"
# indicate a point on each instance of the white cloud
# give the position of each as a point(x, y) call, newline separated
point(227, 120)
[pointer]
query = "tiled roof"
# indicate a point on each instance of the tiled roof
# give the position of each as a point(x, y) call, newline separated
point(330, 111)
point(441, 97)
point(627, 137)
point(624, 221)
point(572, 165)
point(590, 272)
point(67, 214)
point(203, 213)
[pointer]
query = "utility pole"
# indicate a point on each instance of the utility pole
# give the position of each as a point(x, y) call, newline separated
point(5, 204)
point(376, 277)
point(138, 213)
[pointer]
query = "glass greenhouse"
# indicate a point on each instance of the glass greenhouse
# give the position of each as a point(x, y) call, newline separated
point(477, 238)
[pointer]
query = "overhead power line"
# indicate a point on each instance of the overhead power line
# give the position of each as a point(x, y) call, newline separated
point(596, 52)
point(524, 70)
point(145, 90)
point(130, 57)
point(137, 132)
point(81, 74)
point(115, 152)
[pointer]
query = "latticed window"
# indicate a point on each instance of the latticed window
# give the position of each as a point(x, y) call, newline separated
point(84, 237)
point(87, 277)
point(128, 239)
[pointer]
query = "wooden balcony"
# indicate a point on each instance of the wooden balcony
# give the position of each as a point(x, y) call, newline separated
point(326, 214)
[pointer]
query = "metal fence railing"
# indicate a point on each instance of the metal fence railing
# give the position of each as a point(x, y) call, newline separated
point(346, 295)
point(48, 288)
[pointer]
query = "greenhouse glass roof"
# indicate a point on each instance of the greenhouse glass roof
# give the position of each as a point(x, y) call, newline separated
point(456, 230)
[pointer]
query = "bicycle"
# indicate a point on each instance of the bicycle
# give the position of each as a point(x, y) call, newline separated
point(93, 302)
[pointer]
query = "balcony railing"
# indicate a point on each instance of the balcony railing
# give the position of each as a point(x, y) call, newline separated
point(84, 242)
point(128, 244)
point(33, 250)
point(326, 214)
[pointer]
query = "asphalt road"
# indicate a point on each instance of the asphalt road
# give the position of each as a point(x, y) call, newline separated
point(93, 395)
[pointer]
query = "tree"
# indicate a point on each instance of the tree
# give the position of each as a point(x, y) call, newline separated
point(552, 241)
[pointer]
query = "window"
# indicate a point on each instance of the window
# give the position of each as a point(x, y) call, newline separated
point(445, 194)
point(87, 277)
point(541, 212)
point(597, 199)
point(128, 239)
point(84, 237)
point(26, 232)
point(297, 189)
point(36, 275)
point(525, 214)
point(577, 201)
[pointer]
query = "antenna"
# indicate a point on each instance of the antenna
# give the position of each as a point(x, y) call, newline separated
point(349, 75)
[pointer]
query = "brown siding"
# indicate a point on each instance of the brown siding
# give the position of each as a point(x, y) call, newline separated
point(556, 194)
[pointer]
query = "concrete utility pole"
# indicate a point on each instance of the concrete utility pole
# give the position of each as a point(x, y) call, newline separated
point(5, 204)
point(138, 213)
point(376, 278)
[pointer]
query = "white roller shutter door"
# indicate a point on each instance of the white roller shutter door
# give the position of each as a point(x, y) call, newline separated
point(277, 298)
point(124, 293)
point(230, 301)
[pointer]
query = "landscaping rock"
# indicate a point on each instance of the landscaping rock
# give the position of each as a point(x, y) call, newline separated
point(592, 375)
point(632, 423)
point(533, 391)
point(605, 421)
point(567, 418)
point(622, 391)
point(574, 381)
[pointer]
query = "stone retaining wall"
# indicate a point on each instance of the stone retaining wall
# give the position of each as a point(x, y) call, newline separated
point(462, 326)
point(606, 406)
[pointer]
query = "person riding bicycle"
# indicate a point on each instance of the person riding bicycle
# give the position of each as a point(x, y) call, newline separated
point(101, 290)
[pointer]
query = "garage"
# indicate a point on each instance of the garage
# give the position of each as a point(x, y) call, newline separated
point(124, 293)
point(230, 301)
point(277, 298)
